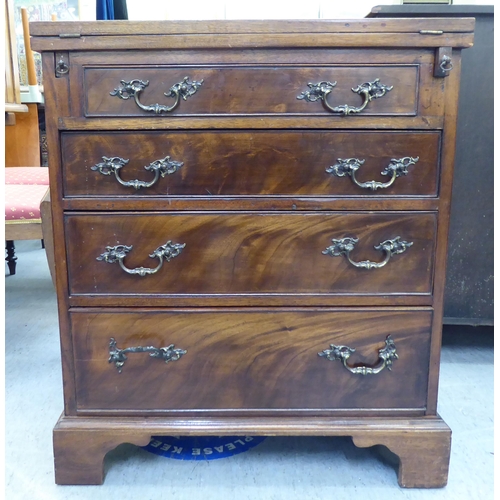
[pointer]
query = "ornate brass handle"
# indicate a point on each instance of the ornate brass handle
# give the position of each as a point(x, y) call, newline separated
point(133, 88)
point(341, 352)
point(119, 356)
point(162, 167)
point(165, 252)
point(350, 166)
point(346, 245)
point(369, 91)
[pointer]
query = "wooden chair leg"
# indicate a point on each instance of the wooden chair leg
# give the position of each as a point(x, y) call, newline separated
point(11, 256)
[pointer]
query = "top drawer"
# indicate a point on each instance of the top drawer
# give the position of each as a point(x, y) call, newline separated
point(222, 90)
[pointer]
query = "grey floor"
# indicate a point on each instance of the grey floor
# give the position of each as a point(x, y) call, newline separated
point(279, 468)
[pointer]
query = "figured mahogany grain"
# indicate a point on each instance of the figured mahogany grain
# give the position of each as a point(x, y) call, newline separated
point(268, 257)
point(239, 360)
point(429, 104)
point(250, 253)
point(241, 163)
point(249, 90)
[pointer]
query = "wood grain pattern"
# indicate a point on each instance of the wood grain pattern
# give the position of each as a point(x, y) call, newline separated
point(249, 300)
point(264, 361)
point(79, 454)
point(448, 157)
point(248, 265)
point(257, 90)
point(424, 457)
point(29, 231)
point(22, 141)
point(429, 104)
point(56, 107)
point(240, 163)
point(253, 253)
point(120, 28)
point(251, 41)
point(296, 56)
point(252, 203)
point(423, 444)
point(252, 122)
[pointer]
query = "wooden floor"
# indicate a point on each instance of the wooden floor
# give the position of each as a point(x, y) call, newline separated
point(291, 468)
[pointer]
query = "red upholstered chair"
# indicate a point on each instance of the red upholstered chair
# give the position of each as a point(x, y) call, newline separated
point(27, 199)
point(25, 189)
point(27, 176)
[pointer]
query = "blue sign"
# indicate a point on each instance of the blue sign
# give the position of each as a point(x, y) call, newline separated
point(201, 447)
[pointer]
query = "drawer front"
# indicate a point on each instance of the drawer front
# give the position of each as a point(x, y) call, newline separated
point(243, 90)
point(239, 163)
point(287, 254)
point(252, 360)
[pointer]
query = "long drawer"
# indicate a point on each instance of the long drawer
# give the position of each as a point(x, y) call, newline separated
point(251, 254)
point(252, 360)
point(242, 90)
point(242, 163)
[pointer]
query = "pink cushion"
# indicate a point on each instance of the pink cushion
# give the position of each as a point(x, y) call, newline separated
point(23, 202)
point(27, 175)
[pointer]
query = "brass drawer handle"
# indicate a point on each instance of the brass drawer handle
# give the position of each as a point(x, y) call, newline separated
point(349, 167)
point(369, 91)
point(113, 165)
point(165, 252)
point(119, 356)
point(133, 88)
point(345, 246)
point(386, 356)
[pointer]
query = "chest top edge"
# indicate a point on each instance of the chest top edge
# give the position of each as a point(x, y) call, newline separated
point(130, 35)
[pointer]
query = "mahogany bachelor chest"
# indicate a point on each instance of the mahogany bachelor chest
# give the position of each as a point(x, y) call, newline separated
point(250, 223)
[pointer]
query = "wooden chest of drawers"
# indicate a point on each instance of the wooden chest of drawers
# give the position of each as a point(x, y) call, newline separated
point(250, 221)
